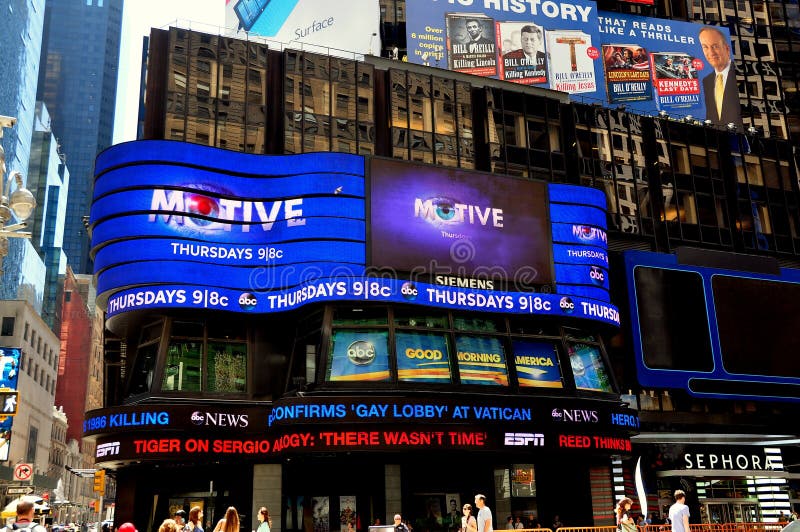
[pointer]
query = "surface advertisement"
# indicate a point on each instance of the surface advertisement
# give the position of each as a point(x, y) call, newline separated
point(481, 360)
point(646, 64)
point(341, 28)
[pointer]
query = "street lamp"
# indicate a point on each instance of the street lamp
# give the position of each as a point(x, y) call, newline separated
point(20, 203)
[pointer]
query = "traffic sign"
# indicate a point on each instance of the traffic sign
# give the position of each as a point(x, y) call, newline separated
point(23, 471)
point(20, 490)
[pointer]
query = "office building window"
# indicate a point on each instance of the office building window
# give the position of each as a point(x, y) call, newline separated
point(8, 326)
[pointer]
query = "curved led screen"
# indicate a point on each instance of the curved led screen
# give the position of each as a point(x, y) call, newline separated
point(178, 225)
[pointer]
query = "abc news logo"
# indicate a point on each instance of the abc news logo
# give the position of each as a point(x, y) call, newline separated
point(248, 301)
point(409, 291)
point(107, 449)
point(524, 439)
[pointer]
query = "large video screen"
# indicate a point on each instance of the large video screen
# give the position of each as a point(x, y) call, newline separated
point(647, 64)
point(177, 225)
point(433, 220)
point(745, 309)
point(714, 332)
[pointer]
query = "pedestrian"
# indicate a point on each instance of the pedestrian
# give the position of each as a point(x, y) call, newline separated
point(625, 522)
point(24, 519)
point(468, 522)
point(510, 523)
point(127, 527)
point(557, 523)
point(169, 525)
point(679, 513)
point(195, 519)
point(518, 524)
point(229, 523)
point(263, 517)
point(484, 514)
point(180, 520)
point(399, 525)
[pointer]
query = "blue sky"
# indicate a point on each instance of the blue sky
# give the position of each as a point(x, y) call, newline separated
point(137, 19)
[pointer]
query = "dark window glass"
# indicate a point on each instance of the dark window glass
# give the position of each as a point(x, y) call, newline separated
point(8, 326)
point(142, 375)
point(672, 320)
point(746, 309)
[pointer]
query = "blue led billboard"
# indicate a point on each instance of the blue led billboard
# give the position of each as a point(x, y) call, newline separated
point(177, 225)
point(714, 332)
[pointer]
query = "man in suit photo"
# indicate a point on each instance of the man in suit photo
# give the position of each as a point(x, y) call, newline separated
point(719, 87)
point(532, 51)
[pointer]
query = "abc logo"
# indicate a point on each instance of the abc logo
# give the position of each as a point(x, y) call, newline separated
point(197, 418)
point(556, 413)
point(596, 275)
point(566, 305)
point(361, 353)
point(409, 291)
point(248, 301)
point(424, 354)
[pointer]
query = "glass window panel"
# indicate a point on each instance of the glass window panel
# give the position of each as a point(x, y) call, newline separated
point(360, 316)
point(588, 368)
point(481, 360)
point(183, 368)
point(358, 356)
point(422, 357)
point(142, 374)
point(420, 318)
point(536, 364)
point(227, 367)
point(523, 480)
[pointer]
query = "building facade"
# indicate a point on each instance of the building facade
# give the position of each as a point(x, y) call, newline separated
point(36, 382)
point(48, 179)
point(78, 82)
point(677, 197)
point(23, 269)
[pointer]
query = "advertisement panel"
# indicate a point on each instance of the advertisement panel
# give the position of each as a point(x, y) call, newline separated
point(352, 26)
point(546, 44)
point(258, 234)
point(427, 219)
point(647, 64)
point(728, 334)
point(537, 364)
point(359, 356)
point(422, 357)
point(481, 360)
point(9, 375)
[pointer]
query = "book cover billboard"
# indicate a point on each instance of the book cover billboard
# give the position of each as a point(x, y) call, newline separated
point(571, 63)
point(599, 57)
point(471, 47)
point(627, 73)
point(676, 80)
point(523, 58)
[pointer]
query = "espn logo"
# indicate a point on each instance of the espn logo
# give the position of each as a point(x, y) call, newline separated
point(105, 449)
point(524, 439)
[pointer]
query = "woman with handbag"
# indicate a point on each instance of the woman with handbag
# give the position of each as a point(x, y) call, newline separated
point(468, 522)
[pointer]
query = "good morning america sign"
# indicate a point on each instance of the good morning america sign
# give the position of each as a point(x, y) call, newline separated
point(177, 225)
